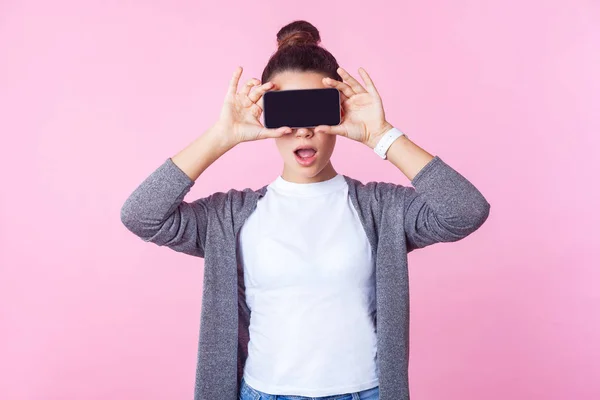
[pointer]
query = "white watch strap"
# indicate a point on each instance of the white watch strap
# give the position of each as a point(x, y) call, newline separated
point(386, 141)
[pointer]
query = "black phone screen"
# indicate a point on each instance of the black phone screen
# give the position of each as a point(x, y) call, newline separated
point(301, 108)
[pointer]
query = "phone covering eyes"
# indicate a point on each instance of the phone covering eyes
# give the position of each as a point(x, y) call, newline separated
point(301, 108)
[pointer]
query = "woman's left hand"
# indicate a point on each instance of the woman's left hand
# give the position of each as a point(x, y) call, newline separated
point(363, 118)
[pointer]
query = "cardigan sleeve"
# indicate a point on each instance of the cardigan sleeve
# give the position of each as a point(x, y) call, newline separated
point(156, 212)
point(443, 206)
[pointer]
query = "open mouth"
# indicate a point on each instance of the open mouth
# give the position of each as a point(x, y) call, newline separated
point(305, 153)
point(306, 156)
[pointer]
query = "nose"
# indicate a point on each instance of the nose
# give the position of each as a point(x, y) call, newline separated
point(304, 132)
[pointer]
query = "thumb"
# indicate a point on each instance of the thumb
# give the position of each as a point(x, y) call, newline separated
point(274, 132)
point(330, 129)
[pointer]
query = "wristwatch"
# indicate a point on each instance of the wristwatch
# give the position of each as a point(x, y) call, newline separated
point(386, 141)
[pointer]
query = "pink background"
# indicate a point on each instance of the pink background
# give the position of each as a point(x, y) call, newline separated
point(95, 96)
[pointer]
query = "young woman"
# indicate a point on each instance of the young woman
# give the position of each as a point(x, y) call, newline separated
point(305, 291)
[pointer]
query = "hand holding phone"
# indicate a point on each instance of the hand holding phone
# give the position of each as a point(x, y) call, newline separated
point(364, 117)
point(239, 118)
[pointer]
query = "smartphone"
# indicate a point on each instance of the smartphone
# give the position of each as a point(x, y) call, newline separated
point(302, 108)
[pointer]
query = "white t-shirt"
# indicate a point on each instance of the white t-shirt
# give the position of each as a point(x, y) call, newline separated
point(310, 286)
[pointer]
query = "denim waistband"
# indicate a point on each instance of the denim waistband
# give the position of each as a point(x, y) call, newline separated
point(248, 392)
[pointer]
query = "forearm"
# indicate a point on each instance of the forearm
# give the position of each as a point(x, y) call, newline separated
point(406, 155)
point(201, 153)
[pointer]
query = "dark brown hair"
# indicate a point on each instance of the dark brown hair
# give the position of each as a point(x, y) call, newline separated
point(299, 50)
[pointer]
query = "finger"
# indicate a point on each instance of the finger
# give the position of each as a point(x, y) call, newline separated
point(331, 129)
point(233, 82)
point(255, 110)
point(274, 133)
point(368, 81)
point(249, 85)
point(354, 84)
point(343, 97)
point(341, 86)
point(268, 86)
point(259, 91)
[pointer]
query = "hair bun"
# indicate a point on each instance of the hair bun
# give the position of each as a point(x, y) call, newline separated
point(298, 33)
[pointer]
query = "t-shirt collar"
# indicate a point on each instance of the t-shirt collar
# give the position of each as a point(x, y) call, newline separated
point(283, 186)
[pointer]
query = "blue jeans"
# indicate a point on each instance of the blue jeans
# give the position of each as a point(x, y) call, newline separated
point(249, 393)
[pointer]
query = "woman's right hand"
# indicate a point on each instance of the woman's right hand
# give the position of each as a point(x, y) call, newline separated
point(240, 116)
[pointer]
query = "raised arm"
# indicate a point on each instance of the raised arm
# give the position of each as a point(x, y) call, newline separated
point(156, 211)
point(442, 205)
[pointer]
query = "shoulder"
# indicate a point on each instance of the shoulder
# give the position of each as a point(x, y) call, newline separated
point(234, 199)
point(377, 191)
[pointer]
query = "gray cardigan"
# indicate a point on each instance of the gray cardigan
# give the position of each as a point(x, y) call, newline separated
point(443, 206)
